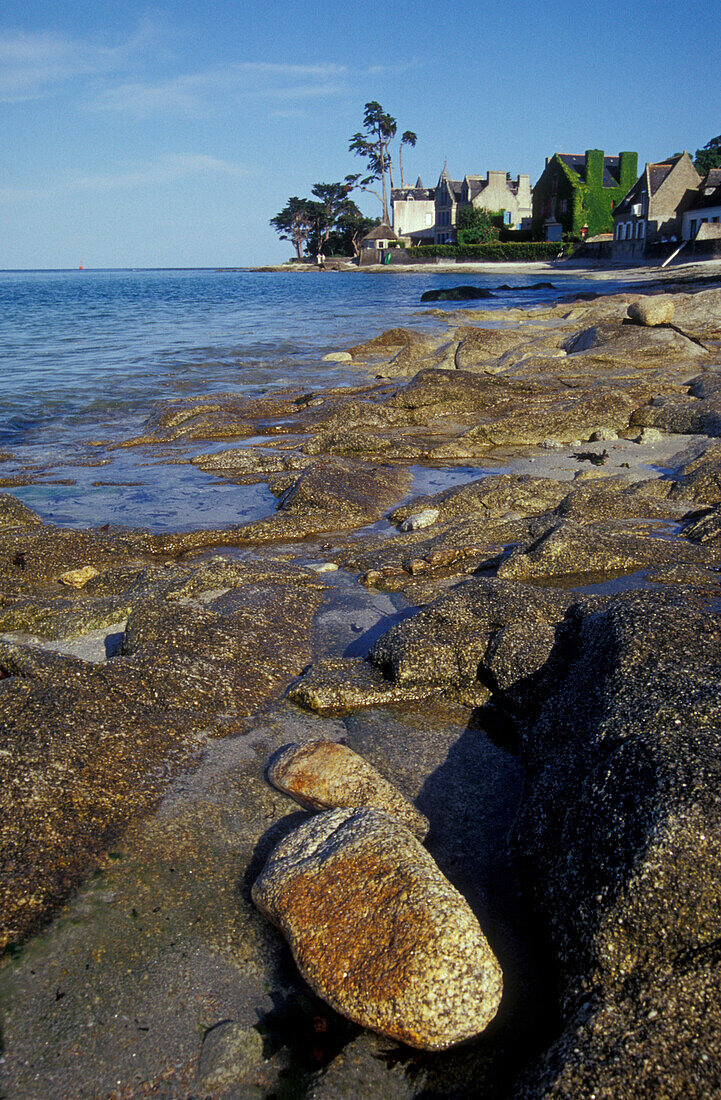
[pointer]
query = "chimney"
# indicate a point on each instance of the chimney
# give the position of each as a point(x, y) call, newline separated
point(594, 167)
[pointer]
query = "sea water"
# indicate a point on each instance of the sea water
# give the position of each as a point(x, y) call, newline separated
point(87, 356)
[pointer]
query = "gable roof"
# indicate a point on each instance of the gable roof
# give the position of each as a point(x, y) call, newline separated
point(476, 184)
point(639, 189)
point(648, 183)
point(656, 174)
point(454, 186)
point(399, 194)
point(577, 163)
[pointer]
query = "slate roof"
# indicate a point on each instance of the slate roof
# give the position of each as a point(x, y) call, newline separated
point(455, 187)
point(709, 192)
point(398, 194)
point(577, 163)
point(639, 189)
point(476, 184)
point(647, 183)
point(657, 173)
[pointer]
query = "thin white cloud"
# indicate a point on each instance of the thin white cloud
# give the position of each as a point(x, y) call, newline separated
point(166, 169)
point(32, 63)
point(196, 95)
point(288, 112)
point(162, 171)
point(299, 91)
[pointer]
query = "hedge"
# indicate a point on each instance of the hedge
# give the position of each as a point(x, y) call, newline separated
point(494, 250)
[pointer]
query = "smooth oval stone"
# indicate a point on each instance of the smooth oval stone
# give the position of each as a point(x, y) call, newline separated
point(652, 310)
point(323, 775)
point(378, 931)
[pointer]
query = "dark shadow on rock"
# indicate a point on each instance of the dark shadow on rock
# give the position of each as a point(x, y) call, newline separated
point(498, 723)
point(362, 645)
point(113, 644)
point(269, 840)
point(303, 1033)
point(471, 801)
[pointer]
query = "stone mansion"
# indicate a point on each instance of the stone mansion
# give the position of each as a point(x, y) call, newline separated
point(429, 215)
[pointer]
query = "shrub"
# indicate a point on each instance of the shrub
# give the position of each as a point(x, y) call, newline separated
point(475, 226)
point(519, 251)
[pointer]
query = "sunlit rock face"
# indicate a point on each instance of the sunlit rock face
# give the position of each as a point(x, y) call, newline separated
point(378, 931)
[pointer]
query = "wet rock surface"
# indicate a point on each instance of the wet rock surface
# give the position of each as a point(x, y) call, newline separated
point(554, 622)
point(378, 931)
point(87, 746)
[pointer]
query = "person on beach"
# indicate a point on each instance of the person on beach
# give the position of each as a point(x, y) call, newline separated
point(321, 261)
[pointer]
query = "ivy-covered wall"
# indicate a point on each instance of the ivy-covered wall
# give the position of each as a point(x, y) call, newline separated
point(576, 201)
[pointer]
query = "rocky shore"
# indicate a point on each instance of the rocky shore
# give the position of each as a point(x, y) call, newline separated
point(389, 793)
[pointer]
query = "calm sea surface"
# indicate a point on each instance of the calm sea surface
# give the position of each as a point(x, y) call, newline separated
point(87, 355)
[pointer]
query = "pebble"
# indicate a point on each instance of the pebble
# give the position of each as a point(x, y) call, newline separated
point(324, 567)
point(377, 930)
point(229, 1055)
point(323, 775)
point(78, 578)
point(418, 520)
point(338, 357)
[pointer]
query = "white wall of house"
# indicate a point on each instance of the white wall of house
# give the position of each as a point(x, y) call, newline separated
point(694, 219)
point(413, 215)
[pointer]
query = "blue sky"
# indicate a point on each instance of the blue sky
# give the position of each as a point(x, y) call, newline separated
point(142, 135)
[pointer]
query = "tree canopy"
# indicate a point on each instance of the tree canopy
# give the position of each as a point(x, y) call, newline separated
point(293, 223)
point(373, 144)
point(329, 221)
point(709, 157)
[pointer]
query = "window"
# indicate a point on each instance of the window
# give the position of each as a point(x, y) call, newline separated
point(640, 228)
point(694, 224)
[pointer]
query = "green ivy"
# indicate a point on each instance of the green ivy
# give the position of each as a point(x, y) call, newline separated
point(589, 203)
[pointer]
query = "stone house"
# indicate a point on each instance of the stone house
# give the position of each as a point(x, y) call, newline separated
point(430, 215)
point(652, 211)
point(576, 193)
point(447, 200)
point(495, 192)
point(702, 219)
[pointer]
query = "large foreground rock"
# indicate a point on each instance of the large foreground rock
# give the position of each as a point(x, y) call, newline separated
point(378, 931)
point(619, 838)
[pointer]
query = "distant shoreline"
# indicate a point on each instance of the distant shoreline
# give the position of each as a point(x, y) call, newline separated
point(601, 272)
